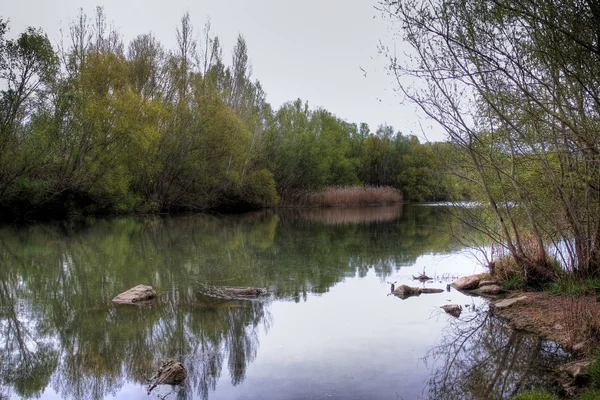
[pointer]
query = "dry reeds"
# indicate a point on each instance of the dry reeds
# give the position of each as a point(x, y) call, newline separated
point(346, 215)
point(352, 196)
point(581, 320)
point(530, 270)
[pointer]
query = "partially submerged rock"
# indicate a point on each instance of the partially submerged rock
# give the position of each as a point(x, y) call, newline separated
point(452, 309)
point(171, 372)
point(405, 291)
point(488, 290)
point(467, 282)
point(508, 302)
point(138, 294)
point(233, 293)
point(421, 277)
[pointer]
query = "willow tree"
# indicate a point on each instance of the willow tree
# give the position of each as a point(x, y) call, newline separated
point(516, 84)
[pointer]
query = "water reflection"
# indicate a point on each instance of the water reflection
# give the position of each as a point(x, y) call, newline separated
point(345, 215)
point(482, 357)
point(58, 333)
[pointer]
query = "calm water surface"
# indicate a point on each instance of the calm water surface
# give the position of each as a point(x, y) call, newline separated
point(329, 329)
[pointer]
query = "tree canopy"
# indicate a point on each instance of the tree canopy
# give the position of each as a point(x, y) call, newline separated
point(98, 125)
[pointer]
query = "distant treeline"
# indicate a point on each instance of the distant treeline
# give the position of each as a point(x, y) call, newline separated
point(95, 125)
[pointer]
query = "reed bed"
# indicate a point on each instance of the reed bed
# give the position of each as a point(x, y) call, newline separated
point(352, 196)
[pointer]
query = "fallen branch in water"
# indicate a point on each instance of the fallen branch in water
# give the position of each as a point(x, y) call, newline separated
point(171, 372)
point(232, 292)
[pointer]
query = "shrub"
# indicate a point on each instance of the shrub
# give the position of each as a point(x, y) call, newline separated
point(527, 273)
point(590, 395)
point(594, 371)
point(581, 321)
point(259, 189)
point(570, 284)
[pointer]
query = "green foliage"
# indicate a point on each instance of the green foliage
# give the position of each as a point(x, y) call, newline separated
point(514, 281)
point(513, 88)
point(594, 371)
point(259, 189)
point(535, 395)
point(573, 285)
point(589, 395)
point(148, 130)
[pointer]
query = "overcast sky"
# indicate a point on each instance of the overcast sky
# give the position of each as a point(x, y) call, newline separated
point(310, 49)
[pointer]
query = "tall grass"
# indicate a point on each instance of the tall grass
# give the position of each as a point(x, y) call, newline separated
point(531, 272)
point(352, 196)
point(574, 285)
point(581, 321)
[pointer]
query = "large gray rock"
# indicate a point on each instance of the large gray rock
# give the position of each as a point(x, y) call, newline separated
point(140, 293)
point(467, 282)
point(508, 302)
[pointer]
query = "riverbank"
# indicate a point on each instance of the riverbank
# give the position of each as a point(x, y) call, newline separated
point(571, 321)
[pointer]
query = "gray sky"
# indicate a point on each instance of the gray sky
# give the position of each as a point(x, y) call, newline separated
point(310, 49)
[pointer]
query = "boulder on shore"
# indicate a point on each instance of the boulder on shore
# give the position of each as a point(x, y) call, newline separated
point(138, 294)
point(467, 282)
point(452, 309)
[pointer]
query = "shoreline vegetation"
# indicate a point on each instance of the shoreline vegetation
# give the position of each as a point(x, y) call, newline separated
point(348, 196)
point(100, 126)
point(516, 87)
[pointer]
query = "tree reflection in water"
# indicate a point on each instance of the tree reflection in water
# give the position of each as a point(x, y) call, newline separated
point(206, 335)
point(58, 331)
point(482, 357)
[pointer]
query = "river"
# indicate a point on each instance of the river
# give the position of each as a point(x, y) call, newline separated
point(328, 330)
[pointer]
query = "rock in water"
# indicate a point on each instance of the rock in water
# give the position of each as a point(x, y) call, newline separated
point(140, 293)
point(466, 282)
point(421, 277)
point(452, 309)
point(171, 372)
point(489, 290)
point(406, 291)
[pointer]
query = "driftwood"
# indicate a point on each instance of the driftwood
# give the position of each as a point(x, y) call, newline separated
point(233, 293)
point(140, 294)
point(171, 372)
point(405, 291)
